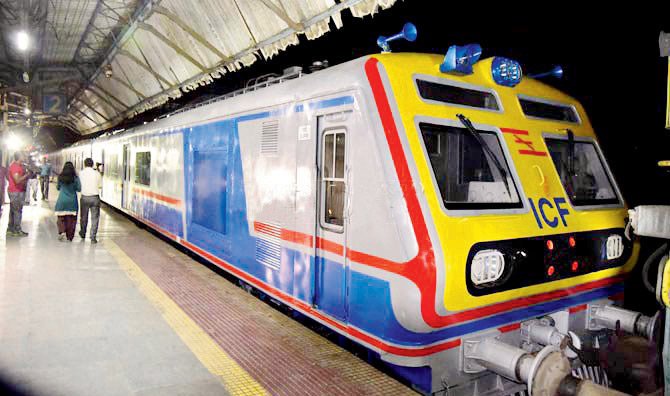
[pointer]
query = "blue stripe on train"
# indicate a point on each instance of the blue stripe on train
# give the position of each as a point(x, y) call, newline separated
point(168, 218)
point(369, 301)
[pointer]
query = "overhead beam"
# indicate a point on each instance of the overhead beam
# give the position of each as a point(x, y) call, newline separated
point(169, 43)
point(44, 83)
point(109, 94)
point(145, 67)
point(85, 115)
point(185, 27)
point(297, 26)
point(89, 26)
point(104, 99)
point(87, 104)
point(130, 87)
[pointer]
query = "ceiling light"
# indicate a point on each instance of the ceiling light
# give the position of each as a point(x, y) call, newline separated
point(13, 142)
point(22, 41)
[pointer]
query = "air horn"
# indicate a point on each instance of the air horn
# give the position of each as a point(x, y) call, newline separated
point(557, 72)
point(408, 33)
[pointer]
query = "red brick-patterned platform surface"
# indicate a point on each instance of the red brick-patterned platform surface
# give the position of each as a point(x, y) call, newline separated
point(281, 354)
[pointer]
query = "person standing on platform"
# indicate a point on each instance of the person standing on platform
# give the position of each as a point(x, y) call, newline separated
point(33, 186)
point(45, 175)
point(91, 182)
point(17, 177)
point(67, 205)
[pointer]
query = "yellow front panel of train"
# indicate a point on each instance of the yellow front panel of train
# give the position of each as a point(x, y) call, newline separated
point(537, 175)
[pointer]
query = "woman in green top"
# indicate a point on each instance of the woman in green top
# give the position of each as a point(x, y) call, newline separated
point(67, 204)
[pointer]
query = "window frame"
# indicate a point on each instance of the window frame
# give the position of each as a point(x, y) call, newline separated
point(548, 102)
point(456, 84)
point(339, 129)
point(137, 176)
point(603, 161)
point(468, 212)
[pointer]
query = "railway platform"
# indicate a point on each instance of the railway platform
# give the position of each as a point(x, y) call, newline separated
point(133, 315)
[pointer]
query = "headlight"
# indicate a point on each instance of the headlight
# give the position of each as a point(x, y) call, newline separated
point(487, 266)
point(614, 247)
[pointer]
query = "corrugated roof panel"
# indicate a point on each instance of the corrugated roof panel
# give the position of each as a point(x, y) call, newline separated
point(105, 108)
point(187, 43)
point(165, 60)
point(118, 90)
point(138, 77)
point(241, 30)
point(66, 23)
point(218, 20)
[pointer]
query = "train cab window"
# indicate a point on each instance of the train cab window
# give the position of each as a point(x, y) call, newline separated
point(143, 167)
point(590, 184)
point(457, 95)
point(466, 175)
point(536, 108)
point(332, 181)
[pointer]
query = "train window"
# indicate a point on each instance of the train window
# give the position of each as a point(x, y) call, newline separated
point(457, 95)
point(590, 183)
point(143, 167)
point(536, 108)
point(112, 166)
point(332, 180)
point(467, 177)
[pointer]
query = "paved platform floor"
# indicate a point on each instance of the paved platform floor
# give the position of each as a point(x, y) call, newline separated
point(133, 315)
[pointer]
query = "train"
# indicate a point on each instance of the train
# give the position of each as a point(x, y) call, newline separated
point(459, 222)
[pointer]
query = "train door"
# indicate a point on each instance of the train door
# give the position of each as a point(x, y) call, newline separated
point(101, 169)
point(331, 269)
point(125, 180)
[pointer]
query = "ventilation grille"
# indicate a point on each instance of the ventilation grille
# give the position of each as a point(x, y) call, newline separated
point(270, 137)
point(268, 244)
point(593, 373)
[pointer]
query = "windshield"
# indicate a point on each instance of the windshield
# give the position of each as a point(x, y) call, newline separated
point(591, 184)
point(466, 176)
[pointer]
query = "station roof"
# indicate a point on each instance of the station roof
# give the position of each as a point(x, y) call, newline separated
point(94, 63)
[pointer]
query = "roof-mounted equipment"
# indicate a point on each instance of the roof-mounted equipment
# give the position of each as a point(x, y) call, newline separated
point(506, 72)
point(460, 59)
point(408, 33)
point(556, 72)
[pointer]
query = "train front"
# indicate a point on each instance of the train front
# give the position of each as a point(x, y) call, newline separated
point(519, 222)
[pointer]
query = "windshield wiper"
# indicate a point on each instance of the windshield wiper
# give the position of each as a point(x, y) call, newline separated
point(501, 169)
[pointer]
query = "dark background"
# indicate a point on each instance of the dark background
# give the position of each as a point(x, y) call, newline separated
point(609, 55)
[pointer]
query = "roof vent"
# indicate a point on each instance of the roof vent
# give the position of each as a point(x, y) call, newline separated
point(318, 65)
point(292, 70)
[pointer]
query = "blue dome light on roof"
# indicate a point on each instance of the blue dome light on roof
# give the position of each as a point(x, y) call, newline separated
point(506, 71)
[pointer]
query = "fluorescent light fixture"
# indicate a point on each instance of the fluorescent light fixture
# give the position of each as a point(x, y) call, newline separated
point(22, 40)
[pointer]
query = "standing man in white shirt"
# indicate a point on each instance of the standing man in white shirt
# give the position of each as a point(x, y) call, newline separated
point(91, 181)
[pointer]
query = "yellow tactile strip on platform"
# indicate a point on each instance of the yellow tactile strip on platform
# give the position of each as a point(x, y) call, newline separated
point(284, 356)
point(234, 378)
